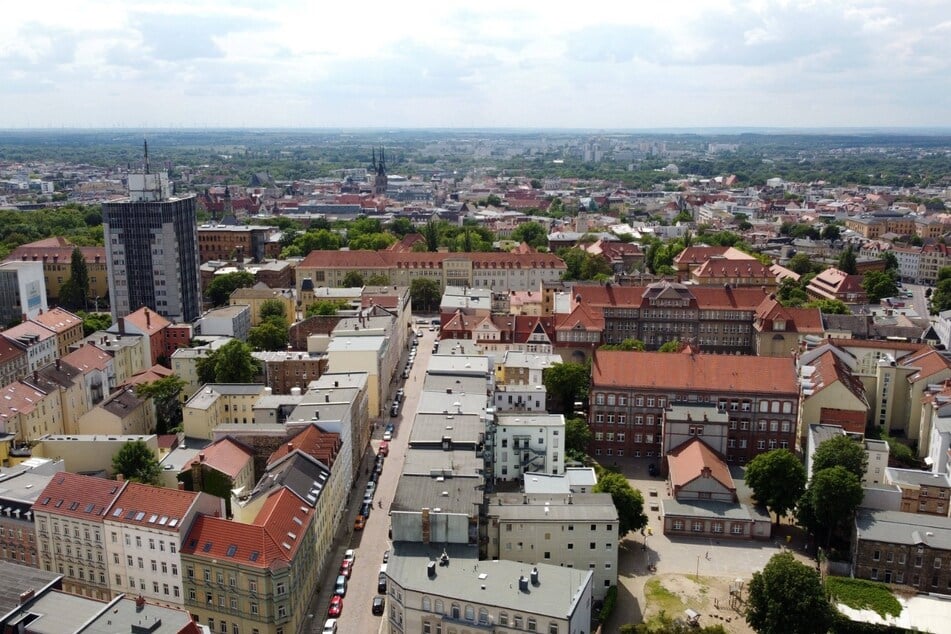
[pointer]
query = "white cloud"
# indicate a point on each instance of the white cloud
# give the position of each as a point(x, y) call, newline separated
point(494, 63)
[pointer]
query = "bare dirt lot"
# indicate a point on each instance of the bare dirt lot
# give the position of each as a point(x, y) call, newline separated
point(709, 596)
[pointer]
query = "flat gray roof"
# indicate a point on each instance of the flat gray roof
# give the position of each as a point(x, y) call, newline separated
point(339, 379)
point(439, 402)
point(60, 612)
point(458, 384)
point(711, 509)
point(320, 411)
point(458, 494)
point(491, 582)
point(425, 461)
point(710, 413)
point(432, 428)
point(25, 487)
point(583, 507)
point(18, 579)
point(356, 344)
point(458, 364)
point(895, 527)
point(914, 477)
point(531, 420)
point(177, 458)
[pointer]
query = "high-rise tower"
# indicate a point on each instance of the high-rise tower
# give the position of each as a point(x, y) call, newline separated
point(152, 249)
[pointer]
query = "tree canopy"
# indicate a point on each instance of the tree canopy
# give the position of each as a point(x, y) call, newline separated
point(352, 279)
point(74, 293)
point(787, 597)
point(271, 334)
point(567, 382)
point(840, 451)
point(231, 363)
point(94, 321)
point(531, 233)
point(777, 479)
point(581, 265)
point(136, 461)
point(165, 394)
point(325, 307)
point(272, 308)
point(424, 294)
point(829, 503)
point(848, 263)
point(221, 287)
point(878, 285)
point(577, 436)
point(625, 346)
point(628, 501)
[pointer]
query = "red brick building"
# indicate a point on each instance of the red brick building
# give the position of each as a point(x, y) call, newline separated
point(631, 390)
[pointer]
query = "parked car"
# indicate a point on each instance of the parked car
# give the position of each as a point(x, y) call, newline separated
point(416, 342)
point(336, 606)
point(346, 568)
point(387, 436)
point(330, 626)
point(384, 448)
point(390, 427)
point(381, 583)
point(386, 556)
point(360, 523)
point(394, 410)
point(365, 510)
point(371, 487)
point(350, 554)
point(368, 498)
point(340, 587)
point(379, 604)
point(406, 373)
point(400, 393)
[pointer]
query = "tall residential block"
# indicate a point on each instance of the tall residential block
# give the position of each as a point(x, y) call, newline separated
point(152, 249)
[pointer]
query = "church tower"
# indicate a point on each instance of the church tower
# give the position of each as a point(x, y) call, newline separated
point(379, 178)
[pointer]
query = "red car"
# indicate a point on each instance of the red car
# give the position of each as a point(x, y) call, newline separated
point(346, 568)
point(336, 606)
point(384, 448)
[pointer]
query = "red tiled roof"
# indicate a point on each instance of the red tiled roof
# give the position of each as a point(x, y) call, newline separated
point(8, 351)
point(57, 248)
point(721, 267)
point(411, 260)
point(148, 321)
point(88, 356)
point(313, 441)
point(685, 372)
point(154, 373)
point(58, 320)
point(930, 362)
point(152, 507)
point(79, 496)
point(27, 329)
point(583, 317)
point(688, 461)
point(802, 320)
point(225, 455)
point(18, 397)
point(830, 369)
point(700, 254)
point(260, 544)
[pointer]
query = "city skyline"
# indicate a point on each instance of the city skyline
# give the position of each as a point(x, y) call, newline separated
point(289, 64)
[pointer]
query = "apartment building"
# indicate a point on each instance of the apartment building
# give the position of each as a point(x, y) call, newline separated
point(69, 517)
point(631, 390)
point(122, 413)
point(18, 492)
point(67, 328)
point(219, 403)
point(902, 548)
point(28, 412)
point(145, 529)
point(97, 368)
point(151, 326)
point(56, 255)
point(574, 530)
point(254, 298)
point(461, 591)
point(13, 362)
point(256, 578)
point(233, 242)
point(508, 271)
point(528, 442)
point(284, 371)
point(921, 491)
point(38, 341)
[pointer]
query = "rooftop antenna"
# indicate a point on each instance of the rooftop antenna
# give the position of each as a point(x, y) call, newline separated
point(146, 143)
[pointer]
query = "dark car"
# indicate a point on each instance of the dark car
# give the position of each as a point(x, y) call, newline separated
point(378, 604)
point(386, 556)
point(381, 583)
point(652, 469)
point(365, 510)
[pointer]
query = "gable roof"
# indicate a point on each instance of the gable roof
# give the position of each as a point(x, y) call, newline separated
point(58, 320)
point(692, 460)
point(270, 541)
point(830, 369)
point(313, 441)
point(79, 496)
point(688, 371)
point(148, 321)
point(154, 508)
point(87, 357)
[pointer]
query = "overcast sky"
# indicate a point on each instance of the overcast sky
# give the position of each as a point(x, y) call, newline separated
point(480, 63)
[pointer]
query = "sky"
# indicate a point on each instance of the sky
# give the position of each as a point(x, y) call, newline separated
point(591, 64)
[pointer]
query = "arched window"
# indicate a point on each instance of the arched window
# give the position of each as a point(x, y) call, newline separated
point(439, 607)
point(425, 604)
point(455, 611)
point(470, 613)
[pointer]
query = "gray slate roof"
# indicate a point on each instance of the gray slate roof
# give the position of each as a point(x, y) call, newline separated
point(895, 527)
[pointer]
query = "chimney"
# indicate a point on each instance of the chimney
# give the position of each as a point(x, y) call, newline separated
point(181, 486)
point(535, 581)
point(290, 447)
point(148, 319)
point(36, 376)
point(27, 595)
point(120, 477)
point(139, 603)
point(59, 365)
point(121, 325)
point(201, 456)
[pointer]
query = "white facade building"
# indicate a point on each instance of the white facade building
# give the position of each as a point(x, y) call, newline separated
point(22, 291)
point(525, 443)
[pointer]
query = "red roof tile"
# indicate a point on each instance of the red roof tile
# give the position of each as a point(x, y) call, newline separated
point(313, 441)
point(688, 461)
point(225, 455)
point(58, 320)
point(80, 496)
point(148, 321)
point(152, 507)
point(685, 372)
point(88, 357)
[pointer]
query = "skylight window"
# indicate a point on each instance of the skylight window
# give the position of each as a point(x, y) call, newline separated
point(90, 507)
point(254, 555)
point(73, 506)
point(117, 512)
point(163, 520)
point(152, 519)
point(173, 523)
point(232, 549)
point(206, 547)
point(139, 516)
point(46, 501)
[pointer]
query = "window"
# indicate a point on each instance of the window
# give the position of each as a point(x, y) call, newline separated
point(426, 604)
point(876, 555)
point(254, 608)
point(281, 588)
point(531, 625)
point(282, 611)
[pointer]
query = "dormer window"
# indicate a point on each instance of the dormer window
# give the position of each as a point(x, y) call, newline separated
point(779, 325)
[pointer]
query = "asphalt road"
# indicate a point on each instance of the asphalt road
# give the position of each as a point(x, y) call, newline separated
point(372, 541)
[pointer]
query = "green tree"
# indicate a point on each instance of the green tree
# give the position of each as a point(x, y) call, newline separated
point(371, 241)
point(829, 503)
point(166, 395)
point(567, 382)
point(790, 293)
point(625, 346)
point(402, 227)
point(581, 265)
point(378, 279)
point(941, 296)
point(800, 263)
point(74, 293)
point(272, 308)
point(353, 279)
point(221, 287)
point(136, 461)
point(432, 236)
point(231, 363)
point(271, 334)
point(777, 479)
point(628, 502)
point(577, 435)
point(531, 233)
point(424, 293)
point(848, 263)
point(829, 306)
point(840, 451)
point(832, 232)
point(94, 321)
point(879, 285)
point(670, 346)
point(324, 307)
point(787, 597)
point(891, 262)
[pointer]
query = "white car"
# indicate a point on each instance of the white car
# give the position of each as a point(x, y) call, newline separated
point(350, 555)
point(330, 626)
point(387, 436)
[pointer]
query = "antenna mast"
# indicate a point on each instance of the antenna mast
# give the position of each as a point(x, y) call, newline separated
point(146, 143)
